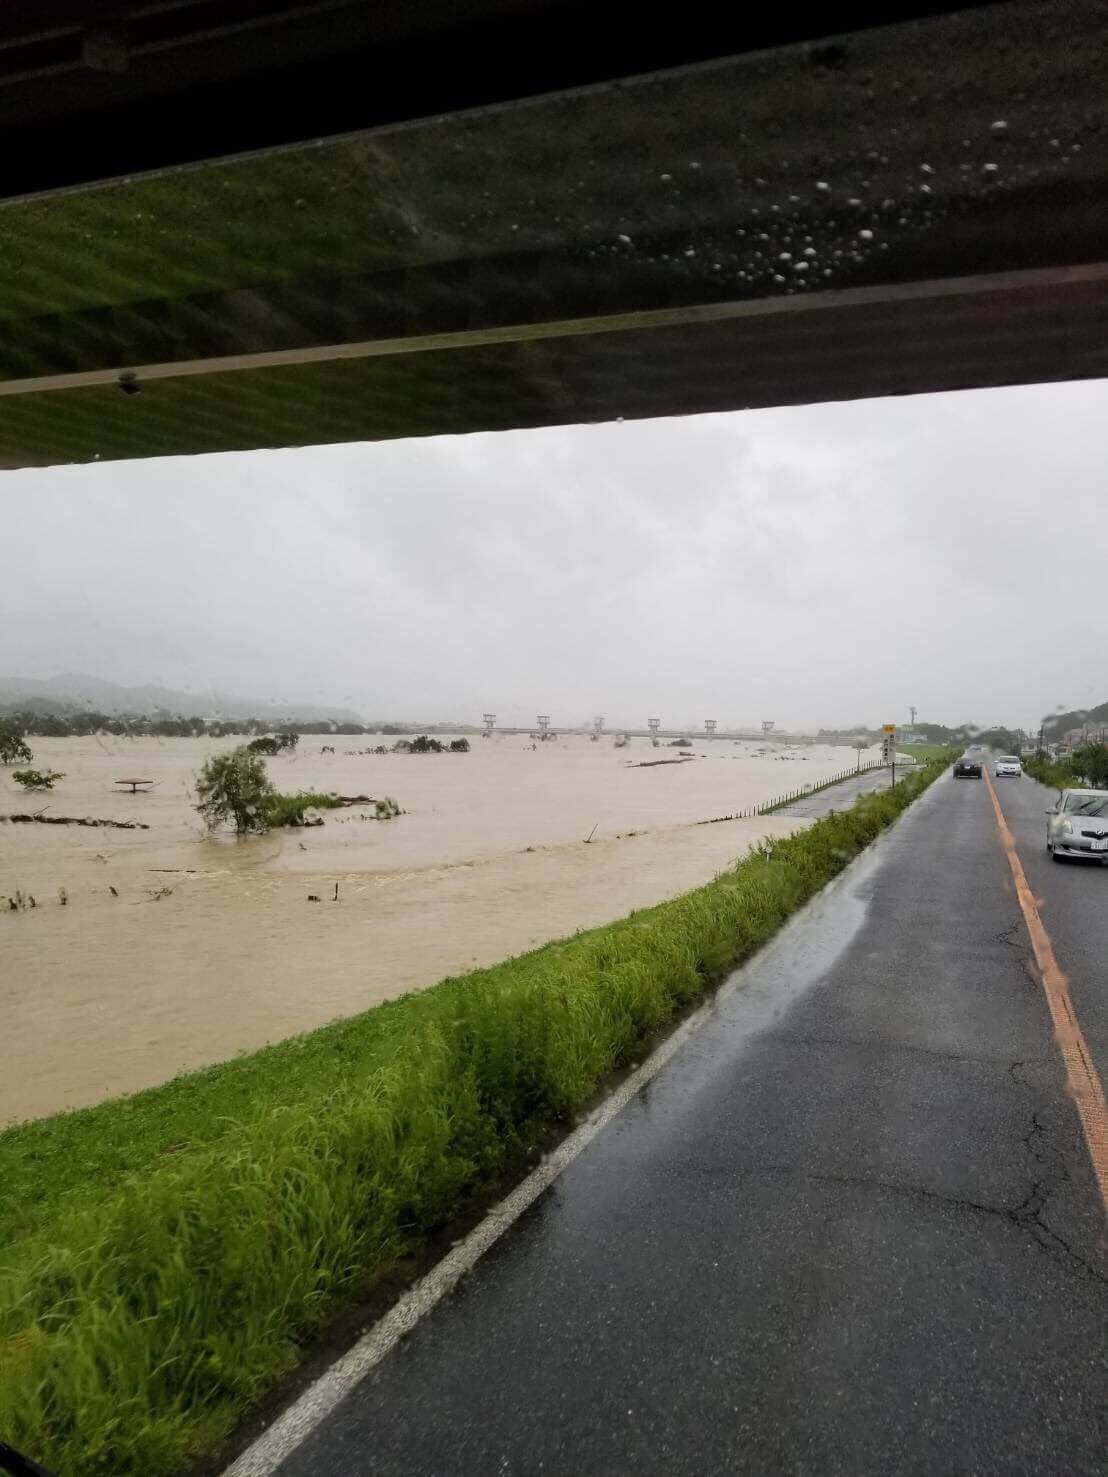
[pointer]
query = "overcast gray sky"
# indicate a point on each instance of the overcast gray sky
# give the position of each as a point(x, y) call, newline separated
point(818, 566)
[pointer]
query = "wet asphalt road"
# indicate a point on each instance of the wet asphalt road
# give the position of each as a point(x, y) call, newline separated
point(851, 1227)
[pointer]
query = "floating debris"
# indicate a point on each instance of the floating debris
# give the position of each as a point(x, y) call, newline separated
point(73, 820)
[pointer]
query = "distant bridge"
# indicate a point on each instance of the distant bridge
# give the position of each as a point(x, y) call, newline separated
point(697, 735)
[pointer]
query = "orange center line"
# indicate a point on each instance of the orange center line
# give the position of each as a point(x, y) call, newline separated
point(1085, 1085)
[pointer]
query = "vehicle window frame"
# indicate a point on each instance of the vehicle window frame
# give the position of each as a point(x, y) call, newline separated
point(1090, 814)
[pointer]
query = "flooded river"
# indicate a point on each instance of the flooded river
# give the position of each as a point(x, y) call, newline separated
point(174, 949)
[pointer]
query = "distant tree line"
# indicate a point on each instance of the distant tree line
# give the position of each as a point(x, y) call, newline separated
point(81, 723)
point(933, 733)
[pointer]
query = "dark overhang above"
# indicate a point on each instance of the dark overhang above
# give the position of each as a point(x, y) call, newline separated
point(916, 207)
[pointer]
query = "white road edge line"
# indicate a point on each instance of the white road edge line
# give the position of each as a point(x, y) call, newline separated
point(293, 1426)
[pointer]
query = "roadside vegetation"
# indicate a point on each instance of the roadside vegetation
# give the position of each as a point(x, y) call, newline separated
point(1084, 768)
point(170, 1255)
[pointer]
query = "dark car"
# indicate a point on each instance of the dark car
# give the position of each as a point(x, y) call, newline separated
point(967, 768)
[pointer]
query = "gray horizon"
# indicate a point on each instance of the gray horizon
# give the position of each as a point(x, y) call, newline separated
point(820, 566)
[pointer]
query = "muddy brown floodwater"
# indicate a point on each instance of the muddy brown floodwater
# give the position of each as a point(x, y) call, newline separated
point(208, 945)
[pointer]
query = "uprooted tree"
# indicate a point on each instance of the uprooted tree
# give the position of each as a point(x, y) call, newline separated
point(235, 787)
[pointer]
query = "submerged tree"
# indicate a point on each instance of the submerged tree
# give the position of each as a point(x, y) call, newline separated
point(13, 746)
point(37, 779)
point(235, 787)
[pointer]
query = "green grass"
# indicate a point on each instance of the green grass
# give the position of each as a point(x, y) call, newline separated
point(1057, 773)
point(288, 810)
point(171, 1254)
point(1086, 766)
point(926, 752)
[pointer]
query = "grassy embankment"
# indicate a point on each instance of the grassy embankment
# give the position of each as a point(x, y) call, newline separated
point(924, 753)
point(169, 1255)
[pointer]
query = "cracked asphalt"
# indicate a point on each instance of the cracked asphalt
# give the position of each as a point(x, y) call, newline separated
point(851, 1227)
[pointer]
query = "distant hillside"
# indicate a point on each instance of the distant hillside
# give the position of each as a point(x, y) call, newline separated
point(1056, 724)
point(72, 691)
point(937, 733)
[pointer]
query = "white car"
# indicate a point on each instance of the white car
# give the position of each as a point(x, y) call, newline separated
point(1078, 825)
point(1007, 765)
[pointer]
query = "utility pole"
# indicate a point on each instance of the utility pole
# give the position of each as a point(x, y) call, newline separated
point(543, 721)
point(490, 724)
point(912, 715)
point(654, 724)
point(710, 727)
point(767, 727)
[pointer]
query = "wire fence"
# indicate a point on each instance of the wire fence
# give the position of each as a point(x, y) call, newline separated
point(765, 807)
